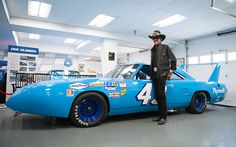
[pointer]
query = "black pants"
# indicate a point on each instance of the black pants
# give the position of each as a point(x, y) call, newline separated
point(159, 88)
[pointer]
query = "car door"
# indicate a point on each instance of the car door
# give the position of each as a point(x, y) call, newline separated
point(177, 91)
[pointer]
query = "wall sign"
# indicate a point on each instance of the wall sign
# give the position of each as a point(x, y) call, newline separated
point(68, 62)
point(21, 59)
point(23, 50)
point(111, 56)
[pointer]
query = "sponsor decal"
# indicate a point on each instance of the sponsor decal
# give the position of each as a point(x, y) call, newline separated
point(122, 84)
point(69, 92)
point(216, 91)
point(78, 86)
point(110, 88)
point(114, 94)
point(110, 84)
point(123, 92)
point(91, 85)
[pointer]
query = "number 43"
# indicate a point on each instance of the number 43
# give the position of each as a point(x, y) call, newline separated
point(145, 94)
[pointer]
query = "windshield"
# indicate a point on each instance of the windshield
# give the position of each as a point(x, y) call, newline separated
point(122, 71)
point(64, 73)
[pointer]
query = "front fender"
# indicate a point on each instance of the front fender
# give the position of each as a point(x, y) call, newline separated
point(43, 99)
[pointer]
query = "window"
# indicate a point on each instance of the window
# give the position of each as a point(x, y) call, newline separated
point(232, 56)
point(219, 57)
point(176, 76)
point(144, 73)
point(193, 60)
point(122, 71)
point(205, 59)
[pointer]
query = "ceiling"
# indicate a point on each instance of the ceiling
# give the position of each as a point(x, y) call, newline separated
point(70, 18)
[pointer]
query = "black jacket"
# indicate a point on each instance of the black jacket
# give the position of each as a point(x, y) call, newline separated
point(162, 60)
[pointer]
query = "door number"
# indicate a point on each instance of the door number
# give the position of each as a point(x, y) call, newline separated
point(145, 94)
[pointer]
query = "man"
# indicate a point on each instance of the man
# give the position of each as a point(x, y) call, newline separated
point(163, 63)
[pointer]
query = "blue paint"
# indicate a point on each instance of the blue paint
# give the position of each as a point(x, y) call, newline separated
point(23, 50)
point(215, 74)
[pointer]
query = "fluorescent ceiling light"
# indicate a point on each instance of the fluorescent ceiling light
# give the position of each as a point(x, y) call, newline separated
point(33, 8)
point(69, 41)
point(34, 36)
point(101, 20)
point(170, 20)
point(87, 58)
point(44, 10)
point(97, 48)
point(36, 8)
point(83, 43)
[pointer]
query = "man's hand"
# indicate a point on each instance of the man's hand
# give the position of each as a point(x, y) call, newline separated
point(169, 74)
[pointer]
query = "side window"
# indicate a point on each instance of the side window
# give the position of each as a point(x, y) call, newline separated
point(144, 73)
point(176, 76)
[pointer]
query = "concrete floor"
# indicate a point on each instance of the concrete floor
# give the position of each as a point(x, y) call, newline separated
point(216, 127)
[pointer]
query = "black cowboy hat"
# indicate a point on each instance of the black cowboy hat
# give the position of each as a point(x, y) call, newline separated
point(156, 35)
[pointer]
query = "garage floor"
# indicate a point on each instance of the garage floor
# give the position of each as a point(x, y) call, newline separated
point(214, 128)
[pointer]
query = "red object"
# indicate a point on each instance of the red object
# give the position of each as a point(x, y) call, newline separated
point(5, 93)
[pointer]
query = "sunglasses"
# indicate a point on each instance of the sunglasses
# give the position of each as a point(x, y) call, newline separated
point(156, 38)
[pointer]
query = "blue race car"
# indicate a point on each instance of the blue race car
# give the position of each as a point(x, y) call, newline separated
point(126, 89)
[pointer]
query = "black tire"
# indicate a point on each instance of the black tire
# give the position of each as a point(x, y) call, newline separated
point(198, 103)
point(85, 104)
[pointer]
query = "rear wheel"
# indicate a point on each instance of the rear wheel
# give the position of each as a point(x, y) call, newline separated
point(198, 103)
point(88, 110)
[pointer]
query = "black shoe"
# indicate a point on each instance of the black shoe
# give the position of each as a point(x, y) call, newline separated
point(162, 121)
point(156, 119)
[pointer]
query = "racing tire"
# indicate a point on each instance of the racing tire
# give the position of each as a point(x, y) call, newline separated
point(198, 103)
point(88, 110)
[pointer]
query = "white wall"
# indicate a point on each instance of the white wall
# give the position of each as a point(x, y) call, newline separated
point(90, 66)
point(179, 52)
point(143, 57)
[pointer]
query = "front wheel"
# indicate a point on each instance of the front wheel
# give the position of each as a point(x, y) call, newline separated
point(198, 103)
point(88, 110)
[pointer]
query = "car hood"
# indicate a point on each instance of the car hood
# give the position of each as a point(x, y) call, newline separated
point(62, 83)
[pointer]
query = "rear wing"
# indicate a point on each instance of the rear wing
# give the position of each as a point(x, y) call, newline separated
point(215, 74)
